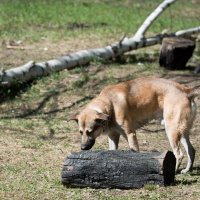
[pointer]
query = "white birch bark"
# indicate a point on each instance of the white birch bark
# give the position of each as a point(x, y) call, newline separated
point(33, 69)
point(151, 18)
point(188, 31)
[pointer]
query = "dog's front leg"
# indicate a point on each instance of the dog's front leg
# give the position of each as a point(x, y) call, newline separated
point(130, 134)
point(113, 140)
point(132, 141)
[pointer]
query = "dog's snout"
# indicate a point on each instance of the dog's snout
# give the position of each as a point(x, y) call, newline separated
point(84, 147)
point(88, 145)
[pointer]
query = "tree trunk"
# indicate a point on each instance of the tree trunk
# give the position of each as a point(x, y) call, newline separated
point(175, 52)
point(118, 169)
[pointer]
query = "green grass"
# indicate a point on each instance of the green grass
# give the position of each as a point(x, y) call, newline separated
point(35, 136)
point(32, 20)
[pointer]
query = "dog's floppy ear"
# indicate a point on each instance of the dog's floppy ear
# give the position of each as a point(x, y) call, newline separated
point(74, 117)
point(101, 117)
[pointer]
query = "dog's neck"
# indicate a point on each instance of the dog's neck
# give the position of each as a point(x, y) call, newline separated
point(100, 105)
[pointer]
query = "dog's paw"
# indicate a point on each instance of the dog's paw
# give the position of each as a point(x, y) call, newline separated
point(134, 150)
point(184, 171)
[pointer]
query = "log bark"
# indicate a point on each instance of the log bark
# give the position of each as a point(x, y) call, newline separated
point(175, 52)
point(118, 169)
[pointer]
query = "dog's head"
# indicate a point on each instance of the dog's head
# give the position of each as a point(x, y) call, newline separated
point(91, 124)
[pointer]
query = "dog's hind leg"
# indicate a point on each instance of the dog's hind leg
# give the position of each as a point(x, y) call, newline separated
point(185, 140)
point(113, 141)
point(178, 121)
point(174, 140)
point(190, 153)
point(175, 145)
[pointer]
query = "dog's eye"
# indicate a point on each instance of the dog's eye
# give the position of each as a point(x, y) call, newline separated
point(96, 127)
point(81, 132)
point(99, 121)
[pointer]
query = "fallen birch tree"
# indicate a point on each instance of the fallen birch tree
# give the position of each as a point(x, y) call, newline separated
point(33, 69)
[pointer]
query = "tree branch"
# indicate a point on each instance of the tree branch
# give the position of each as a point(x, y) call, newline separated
point(151, 18)
point(188, 31)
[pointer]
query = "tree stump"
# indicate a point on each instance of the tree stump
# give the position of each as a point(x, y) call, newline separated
point(118, 169)
point(175, 52)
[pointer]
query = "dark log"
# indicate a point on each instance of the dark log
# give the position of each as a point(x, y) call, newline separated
point(118, 169)
point(175, 52)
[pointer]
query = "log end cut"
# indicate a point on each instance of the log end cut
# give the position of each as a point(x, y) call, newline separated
point(118, 169)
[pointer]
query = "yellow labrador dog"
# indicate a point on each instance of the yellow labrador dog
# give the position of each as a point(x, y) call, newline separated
point(120, 109)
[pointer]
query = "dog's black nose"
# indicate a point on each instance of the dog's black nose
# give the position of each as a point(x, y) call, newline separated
point(84, 147)
point(88, 145)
